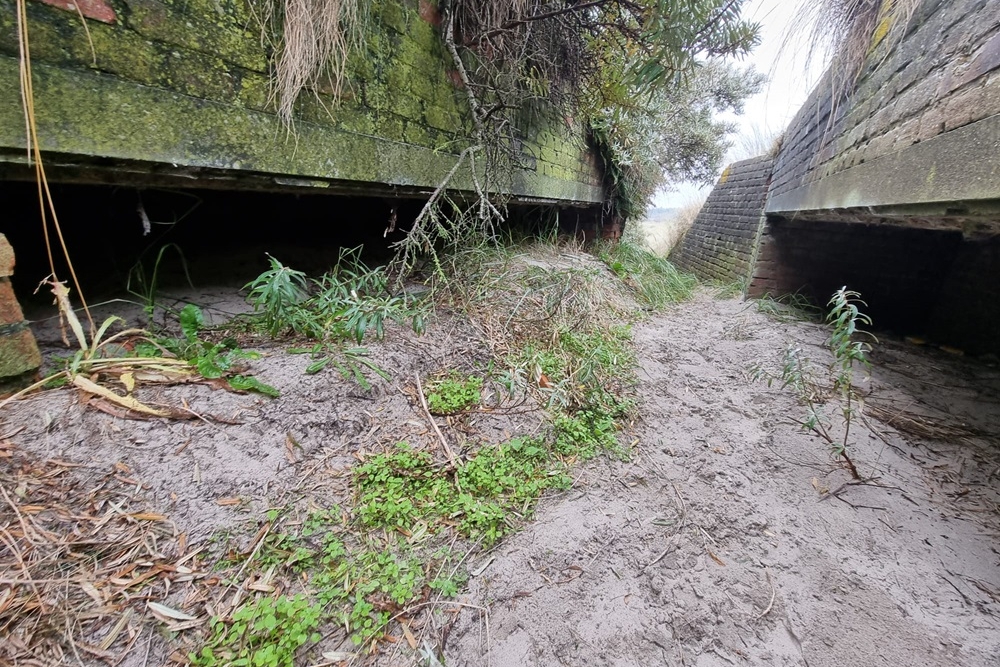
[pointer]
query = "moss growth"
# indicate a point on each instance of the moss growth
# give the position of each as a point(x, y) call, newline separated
point(204, 99)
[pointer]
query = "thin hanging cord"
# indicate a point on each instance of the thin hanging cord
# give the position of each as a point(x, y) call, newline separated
point(44, 194)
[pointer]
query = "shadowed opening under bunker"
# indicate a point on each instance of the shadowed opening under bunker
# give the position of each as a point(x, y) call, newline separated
point(224, 237)
point(931, 283)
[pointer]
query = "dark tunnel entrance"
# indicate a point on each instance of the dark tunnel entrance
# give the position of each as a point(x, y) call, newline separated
point(223, 236)
point(935, 284)
point(217, 238)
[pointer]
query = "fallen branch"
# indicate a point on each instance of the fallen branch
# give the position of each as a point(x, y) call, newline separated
point(444, 443)
point(773, 593)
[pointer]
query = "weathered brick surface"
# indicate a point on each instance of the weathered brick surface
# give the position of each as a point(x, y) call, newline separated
point(18, 357)
point(10, 309)
point(720, 244)
point(943, 75)
point(6, 258)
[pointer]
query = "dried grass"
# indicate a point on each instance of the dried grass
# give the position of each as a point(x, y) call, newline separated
point(846, 32)
point(917, 425)
point(519, 295)
point(317, 36)
point(82, 572)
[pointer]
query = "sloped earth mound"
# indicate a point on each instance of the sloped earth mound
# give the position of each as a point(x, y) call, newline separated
point(731, 539)
point(728, 538)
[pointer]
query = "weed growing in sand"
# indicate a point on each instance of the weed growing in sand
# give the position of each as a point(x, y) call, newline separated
point(349, 303)
point(586, 434)
point(144, 284)
point(405, 488)
point(212, 360)
point(655, 281)
point(359, 584)
point(265, 632)
point(798, 373)
point(337, 311)
point(276, 295)
point(451, 395)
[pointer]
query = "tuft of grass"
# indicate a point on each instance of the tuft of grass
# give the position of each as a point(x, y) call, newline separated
point(655, 281)
point(845, 32)
point(144, 283)
point(793, 307)
point(729, 290)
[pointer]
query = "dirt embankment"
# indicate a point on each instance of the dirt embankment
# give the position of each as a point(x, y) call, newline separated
point(730, 539)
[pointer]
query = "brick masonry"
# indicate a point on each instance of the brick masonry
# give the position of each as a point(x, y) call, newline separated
point(944, 74)
point(720, 244)
point(894, 190)
point(934, 284)
point(19, 357)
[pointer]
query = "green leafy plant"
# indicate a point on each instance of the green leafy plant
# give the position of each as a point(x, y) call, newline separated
point(351, 362)
point(452, 394)
point(276, 295)
point(404, 487)
point(585, 434)
point(337, 311)
point(799, 374)
point(211, 360)
point(265, 632)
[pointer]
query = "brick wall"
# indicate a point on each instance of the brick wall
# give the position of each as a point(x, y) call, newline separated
point(943, 75)
point(721, 243)
point(185, 83)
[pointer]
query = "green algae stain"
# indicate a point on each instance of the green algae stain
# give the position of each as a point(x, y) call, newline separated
point(188, 82)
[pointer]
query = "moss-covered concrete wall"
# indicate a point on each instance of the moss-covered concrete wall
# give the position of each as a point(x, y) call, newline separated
point(168, 85)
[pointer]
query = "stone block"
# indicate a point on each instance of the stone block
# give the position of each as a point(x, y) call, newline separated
point(19, 359)
point(10, 309)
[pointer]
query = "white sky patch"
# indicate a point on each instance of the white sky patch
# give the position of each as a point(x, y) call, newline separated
point(769, 111)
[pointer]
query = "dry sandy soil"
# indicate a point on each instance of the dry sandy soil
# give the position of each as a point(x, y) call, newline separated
point(729, 538)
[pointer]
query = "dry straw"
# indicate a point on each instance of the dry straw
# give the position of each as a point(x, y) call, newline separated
point(82, 572)
point(847, 32)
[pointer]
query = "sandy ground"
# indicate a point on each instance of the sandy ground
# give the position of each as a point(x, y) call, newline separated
point(728, 539)
point(723, 542)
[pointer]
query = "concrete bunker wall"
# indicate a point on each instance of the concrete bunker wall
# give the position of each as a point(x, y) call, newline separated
point(930, 283)
point(153, 90)
point(721, 243)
